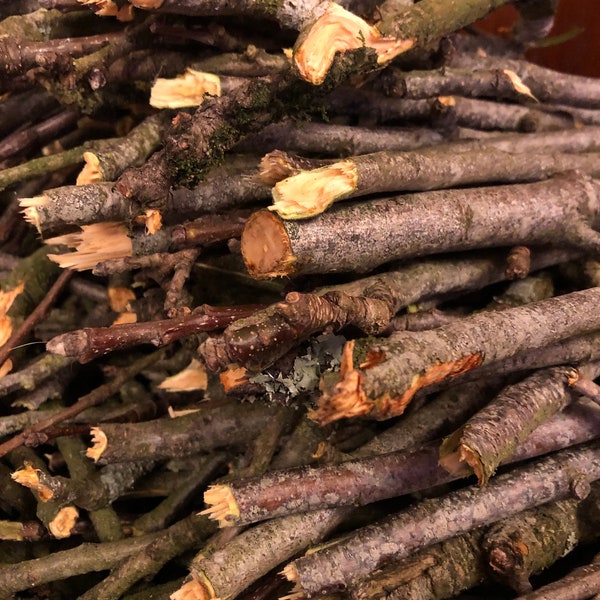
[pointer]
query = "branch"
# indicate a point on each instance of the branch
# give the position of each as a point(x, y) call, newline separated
point(391, 372)
point(446, 220)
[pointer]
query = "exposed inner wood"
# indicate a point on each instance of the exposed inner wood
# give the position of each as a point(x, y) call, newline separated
point(338, 30)
point(266, 247)
point(188, 89)
point(309, 193)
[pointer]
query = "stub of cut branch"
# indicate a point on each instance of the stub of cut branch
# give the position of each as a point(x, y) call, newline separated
point(338, 30)
point(380, 379)
point(188, 89)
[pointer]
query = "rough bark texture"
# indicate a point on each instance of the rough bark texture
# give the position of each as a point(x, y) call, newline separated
point(383, 230)
point(339, 564)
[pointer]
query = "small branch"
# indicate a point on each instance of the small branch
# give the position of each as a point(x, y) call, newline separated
point(393, 371)
point(309, 193)
point(323, 244)
point(457, 512)
point(89, 343)
point(365, 480)
point(206, 429)
point(95, 397)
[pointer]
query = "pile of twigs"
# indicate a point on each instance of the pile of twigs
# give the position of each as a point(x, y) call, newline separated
point(302, 322)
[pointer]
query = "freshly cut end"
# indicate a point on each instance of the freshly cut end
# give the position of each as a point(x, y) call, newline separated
point(346, 399)
point(119, 298)
point(191, 590)
point(310, 193)
point(6, 301)
point(338, 30)
point(93, 244)
point(99, 444)
point(30, 212)
point(63, 523)
point(184, 90)
point(266, 246)
point(30, 478)
point(192, 378)
point(224, 508)
point(151, 219)
point(91, 172)
point(12, 530)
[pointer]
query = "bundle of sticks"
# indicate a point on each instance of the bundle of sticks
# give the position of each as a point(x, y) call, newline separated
point(297, 299)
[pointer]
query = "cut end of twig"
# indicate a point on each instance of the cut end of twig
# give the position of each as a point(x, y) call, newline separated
point(310, 193)
point(99, 444)
point(93, 244)
point(30, 478)
point(192, 378)
point(91, 172)
point(223, 506)
point(72, 343)
point(266, 246)
point(291, 574)
point(184, 90)
point(147, 4)
point(6, 301)
point(232, 377)
point(108, 8)
point(347, 398)
point(275, 166)
point(338, 30)
point(63, 523)
point(30, 212)
point(151, 219)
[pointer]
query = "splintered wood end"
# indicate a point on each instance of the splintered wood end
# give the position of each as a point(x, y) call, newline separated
point(63, 523)
point(275, 166)
point(266, 246)
point(30, 478)
point(99, 444)
point(346, 398)
point(233, 376)
point(109, 8)
point(188, 89)
point(394, 406)
point(192, 378)
point(93, 244)
point(338, 30)
point(191, 590)
point(91, 172)
point(223, 506)
point(310, 193)
point(291, 574)
point(459, 459)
